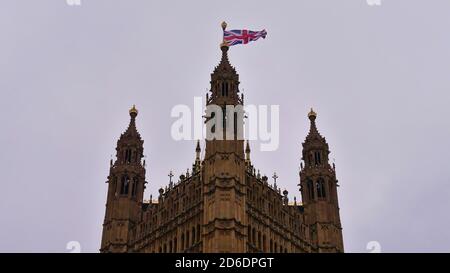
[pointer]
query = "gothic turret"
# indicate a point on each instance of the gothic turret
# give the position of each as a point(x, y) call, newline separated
point(224, 112)
point(126, 184)
point(224, 162)
point(318, 186)
point(224, 81)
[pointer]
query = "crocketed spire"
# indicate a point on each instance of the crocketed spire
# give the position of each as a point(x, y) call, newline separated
point(315, 148)
point(131, 131)
point(224, 82)
point(313, 132)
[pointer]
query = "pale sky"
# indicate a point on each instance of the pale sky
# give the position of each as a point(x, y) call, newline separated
point(376, 75)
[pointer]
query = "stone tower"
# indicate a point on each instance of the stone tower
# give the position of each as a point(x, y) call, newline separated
point(223, 204)
point(318, 186)
point(126, 184)
point(224, 163)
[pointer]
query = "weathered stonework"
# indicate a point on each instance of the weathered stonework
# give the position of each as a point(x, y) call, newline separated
point(223, 205)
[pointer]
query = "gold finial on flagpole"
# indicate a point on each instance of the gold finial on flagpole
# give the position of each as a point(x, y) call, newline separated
point(224, 43)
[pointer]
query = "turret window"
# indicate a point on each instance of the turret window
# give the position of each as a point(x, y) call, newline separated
point(213, 128)
point(317, 158)
point(254, 236)
point(125, 184)
point(187, 239)
point(134, 186)
point(321, 193)
point(182, 241)
point(128, 156)
point(224, 89)
point(310, 189)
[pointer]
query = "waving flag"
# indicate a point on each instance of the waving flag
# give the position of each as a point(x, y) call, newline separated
point(237, 37)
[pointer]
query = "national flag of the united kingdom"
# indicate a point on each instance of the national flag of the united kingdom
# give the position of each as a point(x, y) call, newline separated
point(242, 36)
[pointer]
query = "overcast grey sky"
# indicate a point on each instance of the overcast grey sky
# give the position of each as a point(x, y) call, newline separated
point(376, 75)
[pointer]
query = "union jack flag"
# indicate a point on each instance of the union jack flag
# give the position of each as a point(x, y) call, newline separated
point(238, 36)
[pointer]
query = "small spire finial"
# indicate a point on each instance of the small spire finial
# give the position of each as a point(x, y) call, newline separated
point(275, 176)
point(133, 111)
point(170, 175)
point(197, 149)
point(224, 25)
point(312, 115)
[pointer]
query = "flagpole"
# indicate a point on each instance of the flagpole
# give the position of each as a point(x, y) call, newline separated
point(224, 43)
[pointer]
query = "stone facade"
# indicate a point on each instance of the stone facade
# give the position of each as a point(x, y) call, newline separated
point(222, 205)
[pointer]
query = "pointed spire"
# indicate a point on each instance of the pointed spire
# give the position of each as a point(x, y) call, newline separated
point(197, 164)
point(247, 152)
point(224, 64)
point(315, 148)
point(198, 150)
point(313, 132)
point(132, 130)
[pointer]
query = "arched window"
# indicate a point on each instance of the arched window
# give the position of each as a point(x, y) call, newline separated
point(321, 193)
point(224, 89)
point(310, 188)
point(254, 236)
point(213, 127)
point(259, 240)
point(235, 124)
point(317, 159)
point(193, 235)
point(187, 239)
point(275, 247)
point(175, 245)
point(264, 248)
point(125, 184)
point(310, 161)
point(116, 185)
point(128, 156)
point(198, 232)
point(271, 246)
point(134, 186)
point(224, 119)
point(182, 241)
point(170, 246)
